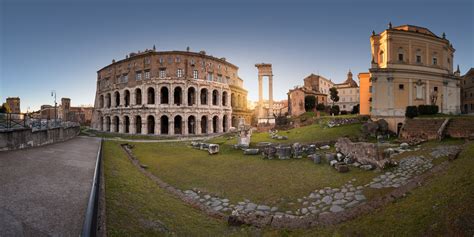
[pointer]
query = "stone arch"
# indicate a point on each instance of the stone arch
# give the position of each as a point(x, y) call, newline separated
point(224, 123)
point(215, 97)
point(127, 98)
point(224, 98)
point(151, 95)
point(191, 96)
point(108, 123)
point(116, 124)
point(203, 96)
point(117, 98)
point(232, 100)
point(101, 101)
point(138, 124)
point(151, 124)
point(138, 96)
point(178, 96)
point(164, 123)
point(164, 95)
point(215, 124)
point(178, 124)
point(204, 124)
point(238, 101)
point(191, 124)
point(126, 124)
point(108, 98)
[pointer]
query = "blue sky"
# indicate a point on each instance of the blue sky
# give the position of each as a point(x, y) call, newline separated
point(59, 45)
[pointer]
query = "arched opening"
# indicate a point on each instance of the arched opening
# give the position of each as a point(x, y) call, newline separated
point(164, 95)
point(108, 123)
point(235, 122)
point(204, 96)
point(151, 124)
point(117, 99)
point(151, 96)
point(191, 125)
point(215, 123)
point(215, 97)
point(191, 96)
point(399, 128)
point(138, 96)
point(224, 98)
point(138, 124)
point(116, 124)
point(178, 125)
point(232, 100)
point(224, 123)
point(101, 125)
point(108, 99)
point(101, 101)
point(178, 96)
point(164, 124)
point(126, 124)
point(127, 98)
point(238, 101)
point(204, 124)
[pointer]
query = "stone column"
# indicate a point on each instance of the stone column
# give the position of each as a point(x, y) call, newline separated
point(184, 127)
point(144, 125)
point(427, 94)
point(198, 126)
point(270, 96)
point(132, 98)
point(260, 97)
point(104, 124)
point(171, 127)
point(131, 127)
point(158, 126)
point(210, 128)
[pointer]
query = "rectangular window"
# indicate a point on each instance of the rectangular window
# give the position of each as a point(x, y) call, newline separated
point(227, 79)
point(162, 73)
point(419, 92)
point(219, 78)
point(401, 86)
point(162, 60)
point(435, 61)
point(138, 76)
point(180, 73)
point(192, 61)
point(195, 74)
point(178, 59)
point(400, 57)
point(170, 59)
point(435, 88)
point(125, 78)
point(147, 61)
point(209, 77)
point(147, 75)
point(418, 58)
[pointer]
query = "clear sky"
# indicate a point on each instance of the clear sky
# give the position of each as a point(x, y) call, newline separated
point(60, 45)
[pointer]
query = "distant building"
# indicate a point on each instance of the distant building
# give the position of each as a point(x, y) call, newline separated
point(14, 104)
point(348, 93)
point(410, 66)
point(64, 111)
point(467, 92)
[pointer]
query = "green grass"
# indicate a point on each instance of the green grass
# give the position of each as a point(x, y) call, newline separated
point(136, 206)
point(311, 133)
point(232, 175)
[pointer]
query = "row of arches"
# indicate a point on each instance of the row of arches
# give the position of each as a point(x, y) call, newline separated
point(238, 100)
point(167, 126)
point(217, 99)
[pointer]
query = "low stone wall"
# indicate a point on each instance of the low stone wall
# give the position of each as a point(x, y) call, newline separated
point(25, 138)
point(460, 128)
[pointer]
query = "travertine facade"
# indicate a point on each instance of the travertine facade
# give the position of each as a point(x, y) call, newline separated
point(411, 66)
point(467, 92)
point(166, 93)
point(239, 103)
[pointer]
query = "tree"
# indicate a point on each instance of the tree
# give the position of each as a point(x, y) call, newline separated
point(309, 103)
point(355, 109)
point(333, 93)
point(320, 107)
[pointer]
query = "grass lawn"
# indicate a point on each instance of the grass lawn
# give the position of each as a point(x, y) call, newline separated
point(311, 133)
point(232, 175)
point(136, 206)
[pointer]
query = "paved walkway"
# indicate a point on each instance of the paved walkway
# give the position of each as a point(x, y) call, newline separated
point(44, 191)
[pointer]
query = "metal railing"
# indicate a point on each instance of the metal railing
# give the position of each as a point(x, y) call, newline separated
point(90, 226)
point(11, 121)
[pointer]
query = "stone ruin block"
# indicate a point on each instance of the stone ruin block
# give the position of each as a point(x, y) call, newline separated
point(297, 151)
point(283, 152)
point(316, 158)
point(363, 152)
point(213, 149)
point(269, 152)
point(341, 167)
point(252, 151)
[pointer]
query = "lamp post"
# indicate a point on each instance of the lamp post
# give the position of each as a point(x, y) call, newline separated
point(53, 93)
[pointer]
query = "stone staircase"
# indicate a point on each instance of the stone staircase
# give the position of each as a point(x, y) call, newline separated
point(460, 128)
point(421, 128)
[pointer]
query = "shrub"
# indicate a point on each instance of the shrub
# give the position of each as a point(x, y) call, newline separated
point(411, 112)
point(320, 107)
point(309, 103)
point(344, 112)
point(335, 110)
point(427, 109)
point(355, 109)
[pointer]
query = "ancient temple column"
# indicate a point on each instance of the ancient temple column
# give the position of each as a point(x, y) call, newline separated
point(260, 97)
point(270, 96)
